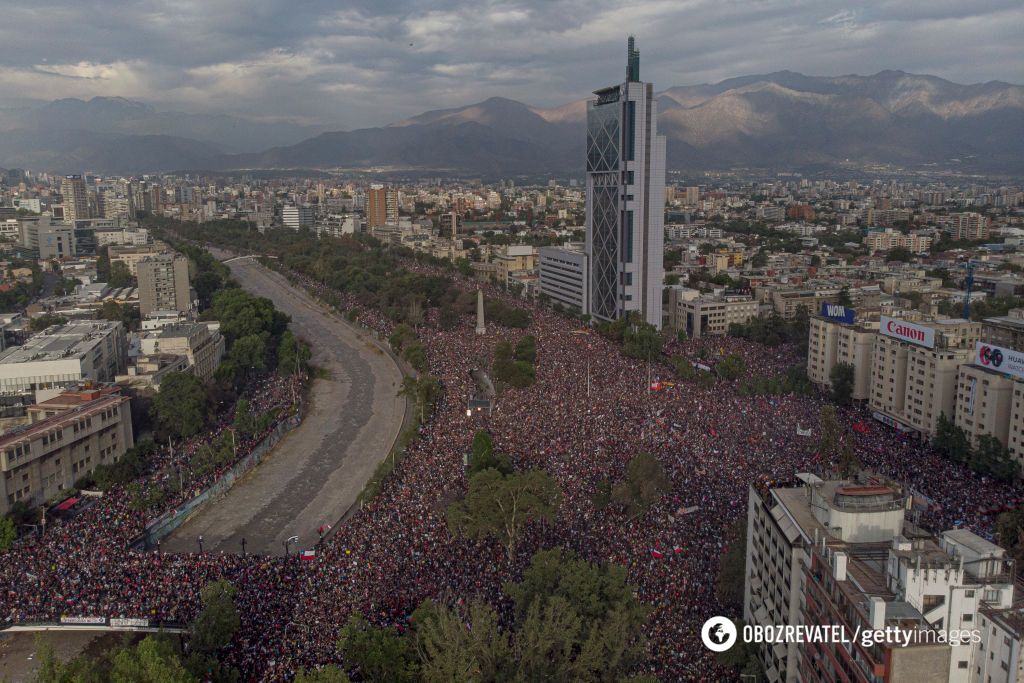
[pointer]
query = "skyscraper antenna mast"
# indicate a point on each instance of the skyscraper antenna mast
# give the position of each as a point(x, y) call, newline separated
point(632, 62)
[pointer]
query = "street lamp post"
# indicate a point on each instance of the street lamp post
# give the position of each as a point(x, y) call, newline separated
point(200, 542)
point(243, 546)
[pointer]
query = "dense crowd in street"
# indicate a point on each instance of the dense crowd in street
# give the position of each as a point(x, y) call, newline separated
point(589, 413)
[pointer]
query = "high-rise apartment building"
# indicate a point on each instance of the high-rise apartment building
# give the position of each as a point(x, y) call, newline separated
point(625, 200)
point(163, 283)
point(968, 225)
point(381, 206)
point(914, 371)
point(76, 200)
point(843, 554)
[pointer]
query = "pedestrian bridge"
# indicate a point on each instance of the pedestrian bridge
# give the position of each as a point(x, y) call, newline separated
point(140, 625)
point(253, 256)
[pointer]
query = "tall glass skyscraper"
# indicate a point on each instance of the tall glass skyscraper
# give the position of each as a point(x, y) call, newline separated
point(625, 199)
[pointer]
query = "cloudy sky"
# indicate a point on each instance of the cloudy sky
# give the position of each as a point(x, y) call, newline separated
point(367, 62)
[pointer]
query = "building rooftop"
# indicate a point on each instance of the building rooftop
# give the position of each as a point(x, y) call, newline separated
point(31, 431)
point(71, 340)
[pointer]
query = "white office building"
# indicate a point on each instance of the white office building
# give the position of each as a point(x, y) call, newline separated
point(63, 356)
point(296, 217)
point(563, 275)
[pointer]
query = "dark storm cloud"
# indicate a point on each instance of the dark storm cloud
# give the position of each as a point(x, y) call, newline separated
point(369, 62)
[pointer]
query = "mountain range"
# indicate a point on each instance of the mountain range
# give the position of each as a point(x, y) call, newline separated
point(783, 120)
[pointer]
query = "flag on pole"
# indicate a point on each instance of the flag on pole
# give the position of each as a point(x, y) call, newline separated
point(307, 555)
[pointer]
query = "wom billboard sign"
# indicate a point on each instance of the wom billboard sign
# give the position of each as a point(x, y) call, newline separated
point(1000, 359)
point(908, 332)
point(838, 313)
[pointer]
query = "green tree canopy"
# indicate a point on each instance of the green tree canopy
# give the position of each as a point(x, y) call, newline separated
point(643, 486)
point(500, 506)
point(180, 407)
point(483, 456)
point(460, 644)
point(8, 532)
point(576, 620)
point(377, 654)
point(217, 622)
point(842, 378)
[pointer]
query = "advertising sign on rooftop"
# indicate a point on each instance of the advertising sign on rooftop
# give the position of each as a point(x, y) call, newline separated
point(907, 331)
point(1000, 359)
point(840, 314)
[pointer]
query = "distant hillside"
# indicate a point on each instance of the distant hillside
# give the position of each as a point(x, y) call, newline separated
point(66, 133)
point(778, 120)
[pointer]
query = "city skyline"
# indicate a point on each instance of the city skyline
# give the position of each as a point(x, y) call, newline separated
point(342, 68)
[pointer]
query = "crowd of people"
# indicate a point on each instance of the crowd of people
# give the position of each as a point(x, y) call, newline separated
point(589, 413)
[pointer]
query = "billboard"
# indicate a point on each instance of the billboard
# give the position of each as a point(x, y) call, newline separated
point(1000, 359)
point(907, 331)
point(840, 314)
point(95, 621)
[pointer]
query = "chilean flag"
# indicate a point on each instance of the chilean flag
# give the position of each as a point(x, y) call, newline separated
point(657, 554)
point(307, 555)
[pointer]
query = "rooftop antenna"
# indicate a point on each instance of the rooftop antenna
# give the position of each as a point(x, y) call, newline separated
point(632, 62)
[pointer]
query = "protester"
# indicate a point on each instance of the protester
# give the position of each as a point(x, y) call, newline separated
point(589, 413)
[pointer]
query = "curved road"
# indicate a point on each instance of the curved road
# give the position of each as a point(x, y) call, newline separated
point(315, 474)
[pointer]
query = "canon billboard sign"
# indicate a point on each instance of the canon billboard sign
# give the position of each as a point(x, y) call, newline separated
point(908, 332)
point(1000, 359)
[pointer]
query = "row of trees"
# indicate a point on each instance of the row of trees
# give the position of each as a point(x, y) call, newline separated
point(989, 457)
point(570, 620)
point(775, 330)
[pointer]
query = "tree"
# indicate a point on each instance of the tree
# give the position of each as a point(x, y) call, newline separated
point(179, 408)
point(760, 259)
point(498, 505)
point(731, 367)
point(217, 622)
point(832, 447)
point(643, 486)
point(325, 674)
point(526, 349)
point(991, 458)
point(402, 335)
point(416, 356)
point(460, 644)
point(42, 322)
point(120, 276)
point(900, 254)
point(292, 354)
point(244, 422)
point(641, 340)
point(1010, 532)
point(8, 532)
point(576, 620)
point(122, 313)
point(153, 660)
point(483, 456)
point(844, 297)
point(378, 654)
point(841, 377)
point(951, 441)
